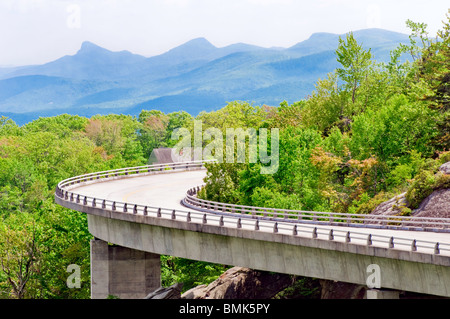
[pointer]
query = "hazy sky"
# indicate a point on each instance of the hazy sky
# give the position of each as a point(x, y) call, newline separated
point(38, 31)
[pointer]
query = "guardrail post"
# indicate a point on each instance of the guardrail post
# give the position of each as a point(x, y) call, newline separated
point(239, 224)
point(125, 208)
point(145, 211)
point(314, 233)
point(71, 197)
point(78, 199)
point(391, 242)
point(369, 240)
point(413, 245)
point(221, 221)
point(275, 228)
point(158, 213)
point(347, 237)
point(294, 230)
point(173, 214)
point(103, 204)
point(93, 203)
point(204, 221)
point(114, 206)
point(188, 217)
point(85, 201)
point(436, 249)
point(135, 209)
point(330, 235)
point(257, 224)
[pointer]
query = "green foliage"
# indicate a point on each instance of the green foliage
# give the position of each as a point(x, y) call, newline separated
point(355, 62)
point(302, 288)
point(235, 114)
point(393, 130)
point(189, 272)
point(156, 129)
point(325, 107)
point(222, 182)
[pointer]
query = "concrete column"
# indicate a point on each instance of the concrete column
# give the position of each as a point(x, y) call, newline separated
point(382, 294)
point(122, 272)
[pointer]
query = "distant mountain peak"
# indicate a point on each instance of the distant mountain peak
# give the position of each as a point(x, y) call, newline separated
point(89, 47)
point(196, 44)
point(199, 41)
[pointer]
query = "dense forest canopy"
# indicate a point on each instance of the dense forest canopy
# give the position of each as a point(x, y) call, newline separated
point(367, 132)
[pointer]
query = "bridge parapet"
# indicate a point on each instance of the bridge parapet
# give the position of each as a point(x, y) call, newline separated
point(321, 225)
point(434, 224)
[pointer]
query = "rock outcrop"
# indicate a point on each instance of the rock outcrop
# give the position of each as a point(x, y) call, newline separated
point(341, 290)
point(437, 204)
point(445, 168)
point(391, 207)
point(172, 292)
point(241, 283)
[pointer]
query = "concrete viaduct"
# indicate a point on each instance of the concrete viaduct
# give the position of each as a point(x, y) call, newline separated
point(136, 214)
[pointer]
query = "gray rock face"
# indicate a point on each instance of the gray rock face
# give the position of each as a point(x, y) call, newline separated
point(437, 204)
point(445, 168)
point(341, 290)
point(241, 283)
point(392, 206)
point(172, 292)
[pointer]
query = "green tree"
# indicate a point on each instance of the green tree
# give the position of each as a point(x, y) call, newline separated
point(355, 62)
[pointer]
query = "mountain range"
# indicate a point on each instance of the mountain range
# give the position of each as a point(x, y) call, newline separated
point(194, 76)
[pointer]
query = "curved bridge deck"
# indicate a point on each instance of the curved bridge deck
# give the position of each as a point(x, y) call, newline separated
point(144, 211)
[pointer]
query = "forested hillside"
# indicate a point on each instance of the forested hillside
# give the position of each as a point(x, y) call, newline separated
point(368, 131)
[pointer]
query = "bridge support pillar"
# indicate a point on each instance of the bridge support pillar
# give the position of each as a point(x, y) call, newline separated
point(382, 294)
point(122, 272)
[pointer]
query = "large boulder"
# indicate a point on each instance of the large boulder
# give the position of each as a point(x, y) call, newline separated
point(341, 290)
point(437, 204)
point(445, 168)
point(241, 283)
point(391, 207)
point(172, 292)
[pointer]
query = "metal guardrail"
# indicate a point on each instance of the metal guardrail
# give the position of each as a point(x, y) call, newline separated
point(435, 224)
point(254, 222)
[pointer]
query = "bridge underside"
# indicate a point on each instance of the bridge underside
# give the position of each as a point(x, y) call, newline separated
point(399, 270)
